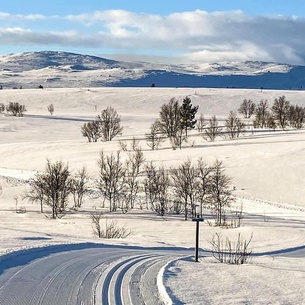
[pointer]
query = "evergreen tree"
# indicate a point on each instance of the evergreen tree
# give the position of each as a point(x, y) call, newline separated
point(188, 113)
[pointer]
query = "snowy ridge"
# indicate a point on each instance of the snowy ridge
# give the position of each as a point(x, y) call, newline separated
point(62, 69)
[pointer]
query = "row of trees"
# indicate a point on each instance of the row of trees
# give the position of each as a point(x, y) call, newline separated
point(232, 128)
point(17, 109)
point(124, 183)
point(176, 120)
point(14, 109)
point(281, 114)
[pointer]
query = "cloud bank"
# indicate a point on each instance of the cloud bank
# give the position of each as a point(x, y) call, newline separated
point(196, 36)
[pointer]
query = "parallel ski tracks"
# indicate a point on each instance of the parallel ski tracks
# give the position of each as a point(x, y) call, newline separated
point(108, 276)
point(123, 281)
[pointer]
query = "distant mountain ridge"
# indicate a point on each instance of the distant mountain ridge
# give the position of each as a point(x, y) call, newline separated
point(64, 69)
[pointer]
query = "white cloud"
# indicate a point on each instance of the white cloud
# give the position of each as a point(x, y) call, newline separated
point(195, 35)
point(16, 17)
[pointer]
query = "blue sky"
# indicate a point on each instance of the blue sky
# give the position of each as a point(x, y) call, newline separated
point(164, 31)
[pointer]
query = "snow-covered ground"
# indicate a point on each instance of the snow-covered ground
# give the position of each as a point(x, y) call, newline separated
point(267, 171)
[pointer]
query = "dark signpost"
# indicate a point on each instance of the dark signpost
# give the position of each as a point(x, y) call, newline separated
point(198, 220)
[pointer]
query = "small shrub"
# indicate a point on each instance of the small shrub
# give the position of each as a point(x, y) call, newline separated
point(51, 109)
point(16, 109)
point(237, 253)
point(111, 229)
point(237, 217)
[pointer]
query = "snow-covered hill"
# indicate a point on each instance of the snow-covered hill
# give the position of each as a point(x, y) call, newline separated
point(266, 167)
point(63, 69)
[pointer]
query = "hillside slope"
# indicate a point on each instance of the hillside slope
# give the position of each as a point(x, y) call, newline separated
point(62, 69)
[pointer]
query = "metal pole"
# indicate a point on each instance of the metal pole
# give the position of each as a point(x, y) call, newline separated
point(197, 219)
point(197, 240)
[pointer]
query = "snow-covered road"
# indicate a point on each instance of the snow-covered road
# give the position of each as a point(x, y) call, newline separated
point(84, 274)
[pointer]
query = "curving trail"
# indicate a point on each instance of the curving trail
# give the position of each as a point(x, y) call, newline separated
point(83, 274)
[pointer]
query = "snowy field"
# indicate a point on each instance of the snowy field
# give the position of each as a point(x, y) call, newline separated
point(267, 169)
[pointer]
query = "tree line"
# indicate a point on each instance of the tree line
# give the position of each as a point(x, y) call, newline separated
point(14, 109)
point(133, 182)
point(176, 121)
point(282, 114)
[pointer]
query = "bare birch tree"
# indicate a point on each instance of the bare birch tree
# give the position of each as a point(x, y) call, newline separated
point(212, 130)
point(79, 187)
point(156, 186)
point(280, 110)
point(132, 172)
point(234, 126)
point(110, 124)
point(184, 184)
point(203, 185)
point(52, 187)
point(155, 136)
point(220, 194)
point(247, 108)
point(112, 178)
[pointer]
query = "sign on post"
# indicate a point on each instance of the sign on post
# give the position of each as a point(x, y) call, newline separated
point(197, 219)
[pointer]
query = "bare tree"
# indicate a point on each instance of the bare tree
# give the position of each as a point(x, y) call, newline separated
point(212, 130)
point(110, 124)
point(51, 109)
point(154, 137)
point(106, 126)
point(178, 139)
point(170, 122)
point(296, 116)
point(91, 131)
point(79, 187)
point(261, 114)
point(112, 178)
point(2, 107)
point(156, 186)
point(96, 222)
point(247, 108)
point(234, 125)
point(220, 194)
point(36, 193)
point(271, 123)
point(52, 187)
point(132, 171)
point(16, 109)
point(280, 109)
point(203, 185)
point(200, 123)
point(184, 185)
point(151, 183)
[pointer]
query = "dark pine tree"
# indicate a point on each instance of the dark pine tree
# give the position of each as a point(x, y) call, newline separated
point(188, 113)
